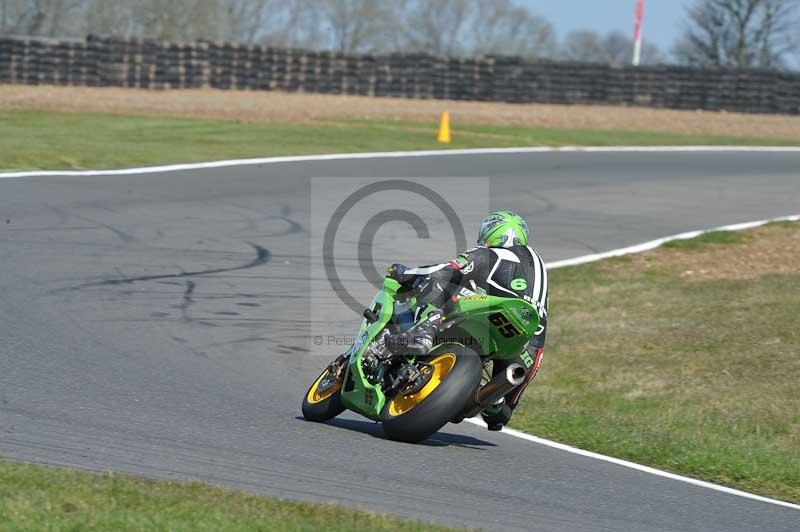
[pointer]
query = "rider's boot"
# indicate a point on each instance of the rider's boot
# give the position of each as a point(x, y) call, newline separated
point(496, 415)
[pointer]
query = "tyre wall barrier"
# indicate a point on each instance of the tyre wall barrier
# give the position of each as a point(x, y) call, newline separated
point(151, 64)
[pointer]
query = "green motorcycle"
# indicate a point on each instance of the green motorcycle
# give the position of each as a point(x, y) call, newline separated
point(414, 396)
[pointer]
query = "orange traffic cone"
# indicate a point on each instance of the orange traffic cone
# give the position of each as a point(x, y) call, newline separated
point(444, 128)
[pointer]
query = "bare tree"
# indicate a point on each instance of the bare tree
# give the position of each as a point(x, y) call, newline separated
point(246, 21)
point(301, 26)
point(586, 46)
point(780, 34)
point(739, 33)
point(107, 17)
point(615, 48)
point(619, 50)
point(176, 20)
point(40, 17)
point(437, 27)
point(249, 21)
point(354, 25)
point(12, 13)
point(501, 27)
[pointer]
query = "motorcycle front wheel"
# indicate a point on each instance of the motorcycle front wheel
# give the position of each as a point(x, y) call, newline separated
point(456, 374)
point(323, 401)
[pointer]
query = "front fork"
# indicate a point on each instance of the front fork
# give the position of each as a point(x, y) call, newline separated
point(338, 367)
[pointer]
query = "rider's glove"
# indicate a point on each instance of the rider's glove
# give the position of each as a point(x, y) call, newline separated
point(497, 415)
point(417, 341)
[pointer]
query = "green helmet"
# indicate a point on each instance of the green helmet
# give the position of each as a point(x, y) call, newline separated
point(503, 229)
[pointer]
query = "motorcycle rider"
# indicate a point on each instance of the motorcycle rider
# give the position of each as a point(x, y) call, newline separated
point(502, 265)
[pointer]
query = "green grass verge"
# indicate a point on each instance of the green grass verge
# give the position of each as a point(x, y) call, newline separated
point(48, 498)
point(784, 224)
point(695, 377)
point(714, 237)
point(48, 140)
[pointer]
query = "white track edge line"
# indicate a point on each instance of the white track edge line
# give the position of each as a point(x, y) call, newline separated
point(637, 467)
point(652, 244)
point(639, 248)
point(399, 154)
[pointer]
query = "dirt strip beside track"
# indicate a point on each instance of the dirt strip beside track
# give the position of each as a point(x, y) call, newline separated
point(252, 106)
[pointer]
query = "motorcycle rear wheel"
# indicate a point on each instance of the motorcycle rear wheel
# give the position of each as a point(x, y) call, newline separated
point(456, 375)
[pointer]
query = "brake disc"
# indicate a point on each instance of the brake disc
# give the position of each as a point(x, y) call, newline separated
point(422, 376)
point(335, 374)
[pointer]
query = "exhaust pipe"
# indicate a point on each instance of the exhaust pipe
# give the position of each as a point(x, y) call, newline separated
point(492, 391)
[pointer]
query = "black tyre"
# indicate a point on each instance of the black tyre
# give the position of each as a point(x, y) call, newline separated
point(457, 374)
point(323, 401)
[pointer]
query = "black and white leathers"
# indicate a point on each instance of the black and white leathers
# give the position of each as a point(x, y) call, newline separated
point(517, 271)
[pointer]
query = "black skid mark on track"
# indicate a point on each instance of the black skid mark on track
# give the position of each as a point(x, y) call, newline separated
point(292, 348)
point(286, 211)
point(246, 340)
point(64, 216)
point(187, 301)
point(122, 235)
point(293, 228)
point(263, 256)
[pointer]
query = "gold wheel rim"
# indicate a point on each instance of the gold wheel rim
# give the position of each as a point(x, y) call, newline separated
point(442, 366)
point(316, 396)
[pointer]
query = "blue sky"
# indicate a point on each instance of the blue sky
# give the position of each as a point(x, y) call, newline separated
point(663, 19)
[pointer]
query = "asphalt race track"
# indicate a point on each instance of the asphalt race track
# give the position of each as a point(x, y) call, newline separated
point(158, 324)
